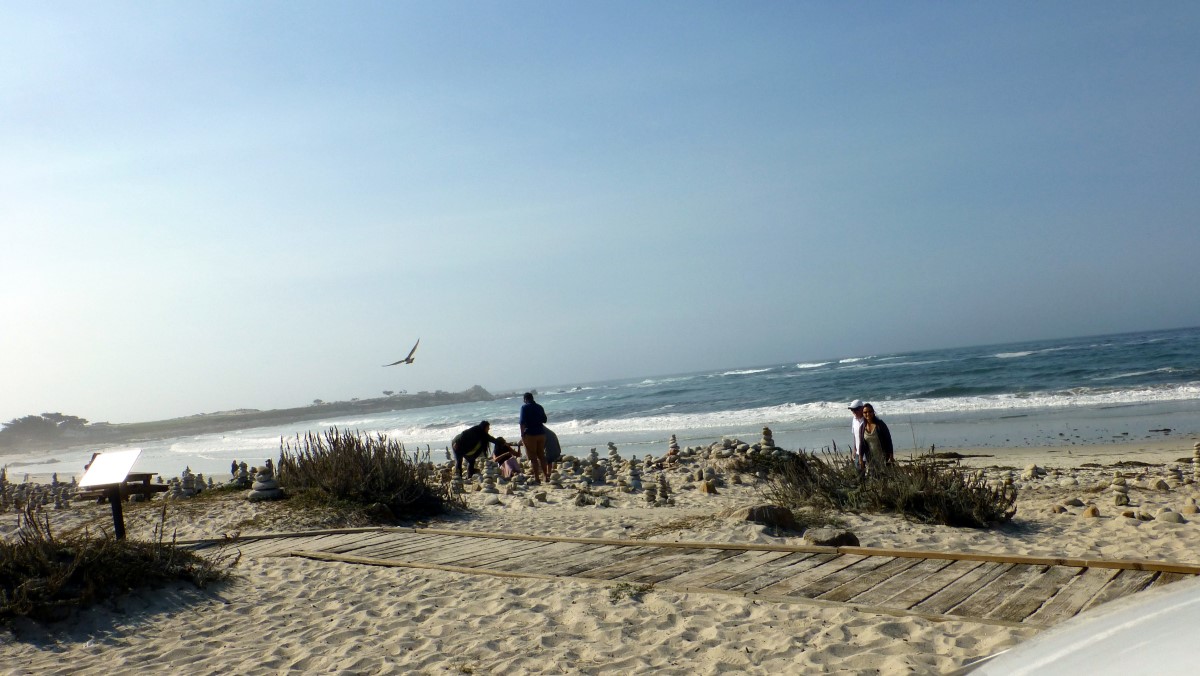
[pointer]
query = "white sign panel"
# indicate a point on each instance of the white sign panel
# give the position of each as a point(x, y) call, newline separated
point(109, 468)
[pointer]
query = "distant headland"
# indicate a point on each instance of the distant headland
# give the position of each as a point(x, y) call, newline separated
point(56, 430)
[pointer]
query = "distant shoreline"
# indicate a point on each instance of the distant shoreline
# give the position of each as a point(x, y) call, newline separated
point(229, 421)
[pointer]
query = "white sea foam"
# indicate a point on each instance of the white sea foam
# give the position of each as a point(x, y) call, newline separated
point(1134, 374)
point(851, 360)
point(744, 372)
point(1012, 355)
point(813, 365)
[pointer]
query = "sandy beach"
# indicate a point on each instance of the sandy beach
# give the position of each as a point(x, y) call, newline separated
point(290, 614)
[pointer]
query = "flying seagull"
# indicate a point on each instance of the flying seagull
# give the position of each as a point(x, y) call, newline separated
point(409, 358)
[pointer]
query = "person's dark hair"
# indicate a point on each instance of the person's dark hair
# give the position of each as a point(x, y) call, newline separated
point(528, 397)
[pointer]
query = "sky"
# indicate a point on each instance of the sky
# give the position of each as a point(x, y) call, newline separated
point(215, 205)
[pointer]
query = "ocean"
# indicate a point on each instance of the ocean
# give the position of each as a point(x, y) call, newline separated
point(1101, 389)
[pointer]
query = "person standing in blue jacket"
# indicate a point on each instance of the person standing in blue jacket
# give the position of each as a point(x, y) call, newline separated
point(533, 436)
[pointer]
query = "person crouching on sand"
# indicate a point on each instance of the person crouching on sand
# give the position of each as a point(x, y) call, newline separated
point(471, 443)
point(874, 441)
point(533, 435)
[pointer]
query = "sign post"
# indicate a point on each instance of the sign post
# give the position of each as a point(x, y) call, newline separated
point(108, 471)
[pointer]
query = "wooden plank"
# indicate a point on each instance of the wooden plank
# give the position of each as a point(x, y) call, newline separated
point(361, 544)
point(494, 557)
point(589, 557)
point(770, 572)
point(394, 541)
point(678, 561)
point(740, 561)
point(1073, 597)
point(966, 583)
point(510, 557)
point(405, 545)
point(645, 558)
point(447, 552)
point(1124, 564)
point(862, 583)
point(836, 579)
point(1167, 578)
point(586, 557)
point(803, 573)
point(816, 549)
point(327, 543)
point(986, 598)
point(541, 559)
point(721, 568)
point(911, 581)
point(379, 548)
point(1125, 583)
point(700, 558)
point(499, 550)
point(266, 547)
point(1034, 594)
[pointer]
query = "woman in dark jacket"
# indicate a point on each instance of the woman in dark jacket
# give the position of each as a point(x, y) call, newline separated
point(470, 444)
point(875, 440)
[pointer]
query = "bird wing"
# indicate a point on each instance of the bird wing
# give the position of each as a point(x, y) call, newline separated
point(408, 359)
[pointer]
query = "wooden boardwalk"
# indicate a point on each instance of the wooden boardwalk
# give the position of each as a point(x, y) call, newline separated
point(997, 589)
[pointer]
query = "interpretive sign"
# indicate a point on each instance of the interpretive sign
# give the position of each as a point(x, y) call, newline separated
point(109, 468)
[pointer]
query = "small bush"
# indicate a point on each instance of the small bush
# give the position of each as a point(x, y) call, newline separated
point(43, 577)
point(344, 467)
point(923, 490)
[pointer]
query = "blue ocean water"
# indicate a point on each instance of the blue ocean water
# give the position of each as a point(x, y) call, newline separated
point(1051, 392)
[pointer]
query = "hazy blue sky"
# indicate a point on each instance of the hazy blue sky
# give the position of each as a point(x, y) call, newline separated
point(213, 205)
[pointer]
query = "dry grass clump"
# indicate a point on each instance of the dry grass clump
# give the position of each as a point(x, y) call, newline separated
point(44, 577)
point(341, 467)
point(923, 490)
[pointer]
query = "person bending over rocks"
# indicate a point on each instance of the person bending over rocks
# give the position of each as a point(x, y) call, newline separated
point(470, 444)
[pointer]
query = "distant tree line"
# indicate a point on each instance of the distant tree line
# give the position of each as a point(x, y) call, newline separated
point(41, 428)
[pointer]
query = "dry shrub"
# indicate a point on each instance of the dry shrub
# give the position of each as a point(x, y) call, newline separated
point(344, 467)
point(43, 576)
point(923, 490)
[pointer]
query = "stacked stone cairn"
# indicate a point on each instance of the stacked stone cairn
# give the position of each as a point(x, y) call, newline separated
point(242, 478)
point(595, 470)
point(664, 490)
point(187, 483)
point(265, 487)
point(1176, 476)
point(1196, 462)
point(633, 476)
point(489, 479)
point(1120, 490)
point(767, 443)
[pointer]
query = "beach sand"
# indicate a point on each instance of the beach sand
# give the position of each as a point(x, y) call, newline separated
point(289, 614)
